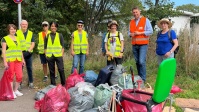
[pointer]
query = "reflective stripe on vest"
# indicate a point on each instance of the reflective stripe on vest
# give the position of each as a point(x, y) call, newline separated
point(25, 42)
point(80, 47)
point(139, 39)
point(55, 48)
point(118, 45)
point(41, 43)
point(14, 51)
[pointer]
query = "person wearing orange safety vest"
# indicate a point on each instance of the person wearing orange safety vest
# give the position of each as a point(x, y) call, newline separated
point(13, 58)
point(114, 44)
point(27, 44)
point(79, 47)
point(41, 36)
point(54, 51)
point(140, 30)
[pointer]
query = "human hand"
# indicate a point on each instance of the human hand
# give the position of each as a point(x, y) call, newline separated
point(121, 55)
point(72, 53)
point(167, 54)
point(6, 65)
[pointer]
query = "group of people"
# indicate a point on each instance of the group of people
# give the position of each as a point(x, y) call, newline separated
point(140, 30)
point(17, 47)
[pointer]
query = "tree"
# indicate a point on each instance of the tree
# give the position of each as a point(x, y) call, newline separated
point(189, 7)
point(160, 9)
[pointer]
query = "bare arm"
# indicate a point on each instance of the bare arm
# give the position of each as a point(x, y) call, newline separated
point(4, 54)
point(31, 46)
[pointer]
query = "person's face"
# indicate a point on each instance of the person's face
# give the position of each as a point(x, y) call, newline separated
point(24, 25)
point(136, 13)
point(113, 27)
point(164, 25)
point(53, 28)
point(45, 27)
point(12, 31)
point(79, 26)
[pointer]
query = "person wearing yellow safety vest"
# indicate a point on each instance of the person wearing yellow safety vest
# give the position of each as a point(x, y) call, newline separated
point(41, 36)
point(54, 51)
point(114, 44)
point(27, 44)
point(79, 47)
point(13, 58)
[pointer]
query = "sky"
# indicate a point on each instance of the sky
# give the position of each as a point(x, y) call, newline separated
point(184, 2)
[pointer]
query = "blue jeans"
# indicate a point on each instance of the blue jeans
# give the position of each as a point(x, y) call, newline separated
point(139, 52)
point(76, 59)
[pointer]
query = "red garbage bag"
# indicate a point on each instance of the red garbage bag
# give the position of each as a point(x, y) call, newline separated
point(6, 92)
point(73, 79)
point(55, 100)
point(175, 89)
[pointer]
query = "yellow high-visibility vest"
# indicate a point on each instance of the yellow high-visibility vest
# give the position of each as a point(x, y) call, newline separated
point(41, 43)
point(55, 48)
point(80, 47)
point(25, 42)
point(14, 50)
point(118, 45)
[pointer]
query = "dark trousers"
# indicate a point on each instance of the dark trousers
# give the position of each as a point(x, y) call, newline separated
point(114, 61)
point(28, 59)
point(60, 65)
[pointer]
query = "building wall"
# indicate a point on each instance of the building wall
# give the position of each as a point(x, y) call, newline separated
point(180, 23)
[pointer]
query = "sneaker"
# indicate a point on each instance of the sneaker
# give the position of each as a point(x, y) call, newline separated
point(31, 86)
point(14, 95)
point(17, 93)
point(56, 77)
point(45, 79)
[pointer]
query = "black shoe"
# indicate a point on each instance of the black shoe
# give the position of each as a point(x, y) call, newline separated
point(45, 79)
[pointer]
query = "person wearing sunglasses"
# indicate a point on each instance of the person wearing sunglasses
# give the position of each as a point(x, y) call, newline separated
point(41, 36)
point(79, 47)
point(54, 51)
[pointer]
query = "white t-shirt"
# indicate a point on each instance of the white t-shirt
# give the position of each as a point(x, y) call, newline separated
point(112, 40)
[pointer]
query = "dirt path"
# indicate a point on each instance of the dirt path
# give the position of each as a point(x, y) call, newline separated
point(24, 103)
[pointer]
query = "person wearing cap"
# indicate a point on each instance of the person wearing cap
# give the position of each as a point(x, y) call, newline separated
point(114, 44)
point(54, 51)
point(41, 38)
point(166, 40)
point(27, 44)
point(103, 37)
point(79, 47)
point(140, 30)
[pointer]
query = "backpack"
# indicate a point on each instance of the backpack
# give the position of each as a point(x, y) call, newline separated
point(169, 35)
point(103, 43)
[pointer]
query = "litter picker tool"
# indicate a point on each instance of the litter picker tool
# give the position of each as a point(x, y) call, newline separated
point(132, 76)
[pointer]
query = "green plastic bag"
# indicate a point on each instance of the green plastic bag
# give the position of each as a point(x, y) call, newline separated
point(102, 94)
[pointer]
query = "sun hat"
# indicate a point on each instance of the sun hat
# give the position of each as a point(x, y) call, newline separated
point(108, 24)
point(45, 22)
point(164, 20)
point(113, 22)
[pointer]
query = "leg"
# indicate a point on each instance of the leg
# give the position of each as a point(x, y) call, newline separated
point(135, 49)
point(82, 61)
point(51, 66)
point(19, 74)
point(142, 61)
point(28, 61)
point(110, 62)
point(118, 61)
point(75, 62)
point(44, 63)
point(60, 66)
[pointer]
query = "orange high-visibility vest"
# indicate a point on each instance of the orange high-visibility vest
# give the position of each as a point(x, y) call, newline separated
point(139, 39)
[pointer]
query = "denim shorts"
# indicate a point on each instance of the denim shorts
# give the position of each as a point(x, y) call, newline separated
point(43, 58)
